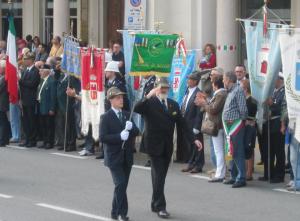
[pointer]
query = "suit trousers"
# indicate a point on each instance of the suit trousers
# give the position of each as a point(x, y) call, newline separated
point(197, 159)
point(4, 129)
point(29, 122)
point(47, 123)
point(71, 130)
point(276, 152)
point(159, 170)
point(120, 177)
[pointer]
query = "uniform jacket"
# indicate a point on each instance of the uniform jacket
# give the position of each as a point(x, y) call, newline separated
point(4, 100)
point(110, 129)
point(29, 83)
point(48, 96)
point(159, 125)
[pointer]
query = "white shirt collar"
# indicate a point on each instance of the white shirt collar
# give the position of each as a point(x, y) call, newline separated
point(29, 68)
point(116, 111)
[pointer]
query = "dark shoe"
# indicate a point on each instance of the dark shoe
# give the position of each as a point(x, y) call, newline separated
point(264, 179)
point(23, 144)
point(195, 170)
point(41, 146)
point(163, 214)
point(48, 147)
point(123, 218)
point(114, 217)
point(100, 157)
point(216, 180)
point(277, 180)
point(148, 164)
point(187, 169)
point(239, 184)
point(30, 145)
point(60, 148)
point(260, 163)
point(228, 182)
point(70, 149)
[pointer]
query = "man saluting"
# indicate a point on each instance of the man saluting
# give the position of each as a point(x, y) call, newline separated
point(115, 129)
point(160, 115)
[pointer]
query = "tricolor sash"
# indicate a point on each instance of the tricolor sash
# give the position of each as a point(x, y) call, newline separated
point(231, 130)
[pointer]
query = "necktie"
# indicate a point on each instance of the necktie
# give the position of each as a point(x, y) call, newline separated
point(164, 105)
point(39, 89)
point(183, 107)
point(120, 116)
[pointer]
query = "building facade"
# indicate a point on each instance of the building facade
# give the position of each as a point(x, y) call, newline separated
point(96, 21)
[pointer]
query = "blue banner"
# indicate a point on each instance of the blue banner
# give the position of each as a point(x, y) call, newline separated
point(71, 57)
point(179, 73)
point(264, 61)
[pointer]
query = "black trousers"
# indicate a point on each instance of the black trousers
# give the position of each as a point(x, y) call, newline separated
point(4, 129)
point(29, 122)
point(120, 177)
point(197, 159)
point(277, 153)
point(71, 129)
point(47, 124)
point(159, 170)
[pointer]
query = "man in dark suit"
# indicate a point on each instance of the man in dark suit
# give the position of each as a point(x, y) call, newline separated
point(160, 115)
point(149, 85)
point(117, 133)
point(187, 150)
point(29, 83)
point(4, 107)
point(46, 97)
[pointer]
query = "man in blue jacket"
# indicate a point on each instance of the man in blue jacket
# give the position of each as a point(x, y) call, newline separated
point(118, 133)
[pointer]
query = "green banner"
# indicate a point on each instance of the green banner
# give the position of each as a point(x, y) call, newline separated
point(153, 54)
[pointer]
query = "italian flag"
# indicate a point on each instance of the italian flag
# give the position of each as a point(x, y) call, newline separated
point(11, 62)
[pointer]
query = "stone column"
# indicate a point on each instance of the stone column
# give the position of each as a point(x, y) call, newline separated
point(61, 17)
point(31, 18)
point(295, 15)
point(96, 23)
point(82, 23)
point(227, 34)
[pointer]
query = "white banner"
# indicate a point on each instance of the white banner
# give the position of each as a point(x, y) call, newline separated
point(135, 14)
point(290, 55)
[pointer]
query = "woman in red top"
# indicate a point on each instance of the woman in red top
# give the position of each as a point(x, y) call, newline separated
point(209, 59)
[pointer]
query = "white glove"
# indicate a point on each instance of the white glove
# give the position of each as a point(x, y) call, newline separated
point(124, 135)
point(195, 131)
point(128, 125)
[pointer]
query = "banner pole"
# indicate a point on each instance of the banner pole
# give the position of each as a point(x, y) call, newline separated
point(269, 149)
point(66, 118)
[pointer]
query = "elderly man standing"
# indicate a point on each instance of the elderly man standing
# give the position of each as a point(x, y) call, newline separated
point(234, 114)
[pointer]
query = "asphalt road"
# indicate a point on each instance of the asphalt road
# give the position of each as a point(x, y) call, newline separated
point(39, 185)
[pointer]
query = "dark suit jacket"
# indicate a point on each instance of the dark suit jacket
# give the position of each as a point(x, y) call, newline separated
point(48, 96)
point(159, 125)
point(110, 129)
point(29, 83)
point(4, 101)
point(193, 115)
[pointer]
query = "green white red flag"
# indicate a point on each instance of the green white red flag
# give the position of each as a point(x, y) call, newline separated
point(11, 62)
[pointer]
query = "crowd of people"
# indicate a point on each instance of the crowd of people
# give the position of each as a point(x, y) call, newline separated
point(216, 104)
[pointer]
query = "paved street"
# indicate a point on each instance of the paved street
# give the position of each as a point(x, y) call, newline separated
point(39, 185)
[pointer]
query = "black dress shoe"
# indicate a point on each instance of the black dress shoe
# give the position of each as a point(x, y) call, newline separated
point(100, 157)
point(216, 180)
point(123, 218)
point(239, 184)
point(30, 145)
point(277, 180)
point(195, 170)
point(163, 214)
point(23, 144)
point(48, 146)
point(263, 178)
point(114, 217)
point(228, 182)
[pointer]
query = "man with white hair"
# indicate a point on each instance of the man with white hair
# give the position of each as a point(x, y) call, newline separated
point(4, 107)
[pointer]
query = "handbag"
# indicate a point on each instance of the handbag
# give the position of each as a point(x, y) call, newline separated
point(209, 127)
